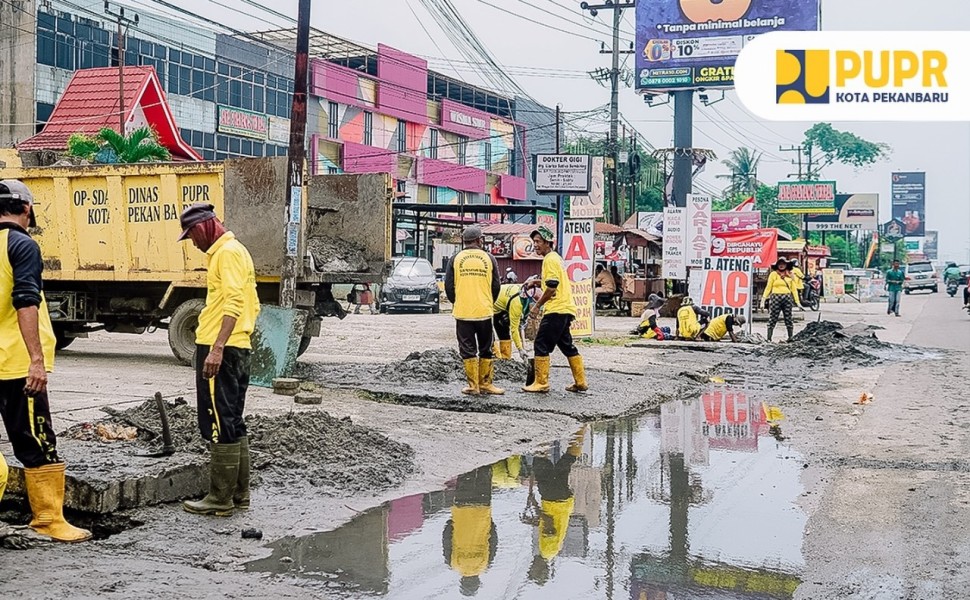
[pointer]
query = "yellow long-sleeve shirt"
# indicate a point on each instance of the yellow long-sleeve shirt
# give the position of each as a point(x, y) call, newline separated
point(231, 281)
point(780, 285)
point(554, 275)
point(510, 301)
point(799, 276)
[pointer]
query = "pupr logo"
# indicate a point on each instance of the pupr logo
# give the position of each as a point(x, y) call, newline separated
point(802, 77)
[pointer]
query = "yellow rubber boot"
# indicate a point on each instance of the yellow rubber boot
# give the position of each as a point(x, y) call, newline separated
point(541, 384)
point(497, 349)
point(3, 475)
point(579, 374)
point(45, 492)
point(505, 349)
point(486, 370)
point(472, 375)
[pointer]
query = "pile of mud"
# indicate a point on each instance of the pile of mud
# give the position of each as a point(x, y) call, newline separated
point(826, 340)
point(335, 456)
point(444, 365)
point(332, 255)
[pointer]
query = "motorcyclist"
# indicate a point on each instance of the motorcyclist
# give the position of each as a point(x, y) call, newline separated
point(952, 272)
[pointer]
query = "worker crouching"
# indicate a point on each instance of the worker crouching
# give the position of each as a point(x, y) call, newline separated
point(511, 308)
point(558, 313)
point(222, 362)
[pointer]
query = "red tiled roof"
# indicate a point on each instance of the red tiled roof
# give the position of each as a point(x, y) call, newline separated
point(606, 228)
point(90, 103)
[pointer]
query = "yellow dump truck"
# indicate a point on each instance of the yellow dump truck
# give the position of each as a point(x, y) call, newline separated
point(111, 260)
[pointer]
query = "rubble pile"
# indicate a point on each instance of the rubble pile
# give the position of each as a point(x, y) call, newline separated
point(826, 340)
point(333, 255)
point(445, 365)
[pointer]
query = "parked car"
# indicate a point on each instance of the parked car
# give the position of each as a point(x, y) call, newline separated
point(412, 285)
point(921, 276)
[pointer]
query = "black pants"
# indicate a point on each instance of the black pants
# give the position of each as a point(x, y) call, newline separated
point(503, 326)
point(221, 400)
point(28, 423)
point(780, 305)
point(474, 338)
point(554, 332)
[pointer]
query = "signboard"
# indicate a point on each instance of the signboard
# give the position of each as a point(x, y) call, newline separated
point(675, 243)
point(909, 202)
point(546, 218)
point(724, 286)
point(242, 122)
point(931, 244)
point(833, 283)
point(688, 44)
point(523, 248)
point(887, 248)
point(893, 230)
point(733, 220)
point(806, 197)
point(853, 212)
point(279, 130)
point(914, 244)
point(562, 173)
point(591, 206)
point(698, 229)
point(578, 255)
point(760, 245)
point(651, 222)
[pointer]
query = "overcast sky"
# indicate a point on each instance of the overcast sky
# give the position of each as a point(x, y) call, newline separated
point(550, 64)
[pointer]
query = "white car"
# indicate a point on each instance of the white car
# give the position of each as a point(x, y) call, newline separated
point(921, 276)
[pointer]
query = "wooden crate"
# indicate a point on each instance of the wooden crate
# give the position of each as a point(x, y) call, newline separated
point(637, 308)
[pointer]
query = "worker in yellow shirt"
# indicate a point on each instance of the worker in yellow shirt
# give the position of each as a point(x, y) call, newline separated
point(799, 276)
point(470, 539)
point(649, 328)
point(223, 350)
point(559, 311)
point(690, 319)
point(781, 296)
point(513, 304)
point(722, 326)
point(472, 286)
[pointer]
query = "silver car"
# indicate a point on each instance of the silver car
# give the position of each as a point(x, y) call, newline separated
point(921, 276)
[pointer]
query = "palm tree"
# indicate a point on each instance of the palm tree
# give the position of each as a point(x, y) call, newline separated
point(743, 164)
point(109, 146)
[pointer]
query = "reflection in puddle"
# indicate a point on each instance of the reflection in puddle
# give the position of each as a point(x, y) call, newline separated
point(697, 500)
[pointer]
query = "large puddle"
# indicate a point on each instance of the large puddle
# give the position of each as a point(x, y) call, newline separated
point(697, 500)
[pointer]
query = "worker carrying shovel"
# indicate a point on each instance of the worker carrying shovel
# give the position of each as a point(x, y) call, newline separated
point(559, 311)
point(27, 346)
point(472, 285)
point(222, 358)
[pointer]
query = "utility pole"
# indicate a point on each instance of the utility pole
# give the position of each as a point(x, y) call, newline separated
point(617, 8)
point(560, 209)
point(296, 169)
point(123, 24)
point(683, 145)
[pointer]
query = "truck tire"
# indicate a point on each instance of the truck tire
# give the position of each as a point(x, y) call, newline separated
point(62, 339)
point(181, 330)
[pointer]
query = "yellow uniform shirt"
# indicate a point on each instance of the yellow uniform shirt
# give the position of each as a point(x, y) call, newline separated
point(510, 301)
point(717, 328)
point(473, 270)
point(554, 270)
point(687, 324)
point(780, 285)
point(14, 358)
point(231, 282)
point(799, 278)
point(470, 534)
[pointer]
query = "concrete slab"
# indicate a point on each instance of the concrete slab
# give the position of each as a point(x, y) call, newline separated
point(106, 478)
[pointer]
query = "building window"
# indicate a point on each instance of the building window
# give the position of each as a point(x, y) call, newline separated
point(433, 194)
point(402, 136)
point(462, 197)
point(433, 151)
point(368, 129)
point(512, 164)
point(332, 170)
point(333, 125)
point(462, 150)
point(487, 151)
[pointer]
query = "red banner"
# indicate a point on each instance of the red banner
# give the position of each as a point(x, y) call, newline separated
point(758, 244)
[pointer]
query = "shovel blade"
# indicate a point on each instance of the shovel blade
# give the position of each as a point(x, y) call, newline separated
point(530, 376)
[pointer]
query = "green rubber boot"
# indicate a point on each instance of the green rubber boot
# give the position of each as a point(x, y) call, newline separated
point(241, 498)
point(223, 473)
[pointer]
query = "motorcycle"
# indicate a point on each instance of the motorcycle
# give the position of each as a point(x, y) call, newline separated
point(952, 287)
point(811, 295)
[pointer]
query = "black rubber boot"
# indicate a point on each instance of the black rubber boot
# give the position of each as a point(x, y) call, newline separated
point(771, 331)
point(241, 498)
point(223, 473)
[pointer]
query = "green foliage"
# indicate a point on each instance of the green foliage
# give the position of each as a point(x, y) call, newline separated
point(743, 166)
point(646, 187)
point(140, 146)
point(842, 147)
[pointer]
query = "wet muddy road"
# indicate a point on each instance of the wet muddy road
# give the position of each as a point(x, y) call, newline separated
point(686, 475)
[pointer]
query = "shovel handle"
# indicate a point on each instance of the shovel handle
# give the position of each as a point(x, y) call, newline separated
point(167, 445)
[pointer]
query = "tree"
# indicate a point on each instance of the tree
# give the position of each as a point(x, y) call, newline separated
point(111, 147)
point(743, 164)
point(826, 145)
point(643, 190)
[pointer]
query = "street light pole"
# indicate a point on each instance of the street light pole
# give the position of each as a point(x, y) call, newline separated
point(123, 24)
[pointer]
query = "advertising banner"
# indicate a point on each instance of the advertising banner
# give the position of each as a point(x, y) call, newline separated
point(833, 283)
point(853, 212)
point(591, 206)
point(687, 44)
point(724, 285)
point(242, 122)
point(562, 173)
point(698, 229)
point(732, 220)
point(893, 230)
point(523, 248)
point(651, 222)
point(760, 245)
point(675, 243)
point(806, 197)
point(931, 245)
point(546, 218)
point(909, 202)
point(578, 238)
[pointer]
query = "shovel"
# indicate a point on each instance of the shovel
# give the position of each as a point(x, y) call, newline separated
point(168, 449)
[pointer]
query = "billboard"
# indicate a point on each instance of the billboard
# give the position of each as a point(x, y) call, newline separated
point(590, 206)
point(931, 245)
point(578, 252)
point(806, 197)
point(734, 220)
point(562, 173)
point(687, 44)
point(909, 202)
point(675, 243)
point(760, 245)
point(853, 212)
point(698, 229)
point(724, 286)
